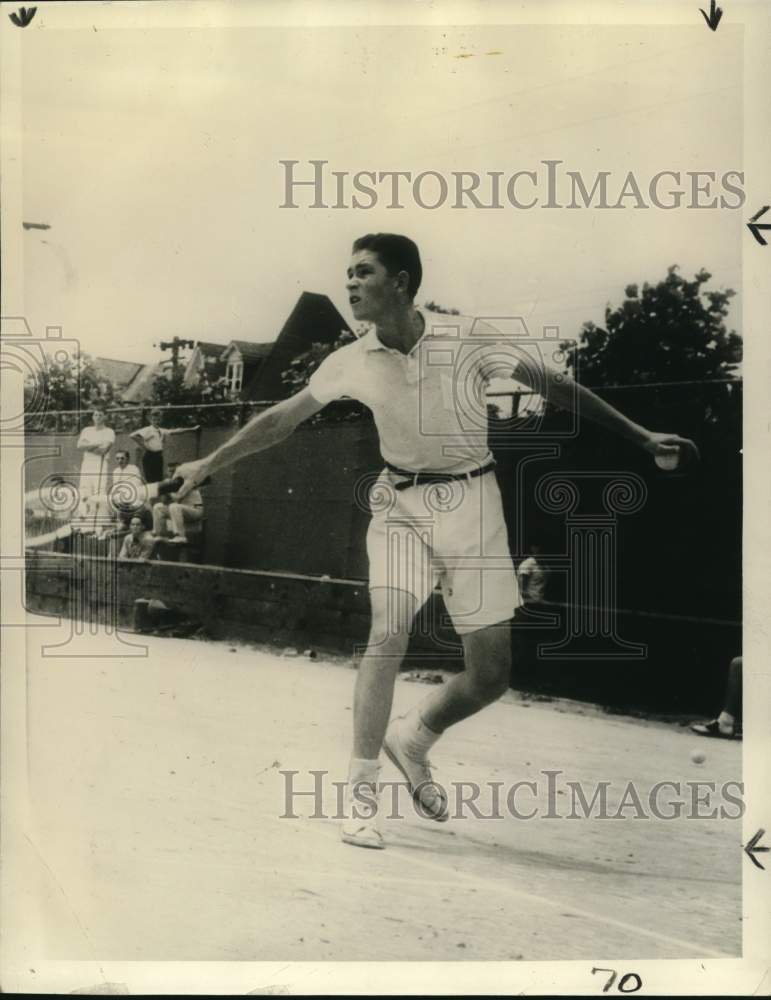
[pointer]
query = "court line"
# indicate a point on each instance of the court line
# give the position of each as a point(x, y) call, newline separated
point(500, 886)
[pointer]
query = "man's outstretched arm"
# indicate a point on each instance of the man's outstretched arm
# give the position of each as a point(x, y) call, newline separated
point(570, 395)
point(261, 432)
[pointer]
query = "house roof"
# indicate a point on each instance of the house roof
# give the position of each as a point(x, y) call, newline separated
point(120, 373)
point(250, 351)
point(208, 349)
point(142, 385)
point(314, 319)
point(206, 357)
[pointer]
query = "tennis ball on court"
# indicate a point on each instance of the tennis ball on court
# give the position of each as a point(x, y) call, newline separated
point(668, 461)
point(698, 756)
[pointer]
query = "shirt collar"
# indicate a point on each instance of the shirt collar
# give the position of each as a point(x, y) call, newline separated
point(371, 342)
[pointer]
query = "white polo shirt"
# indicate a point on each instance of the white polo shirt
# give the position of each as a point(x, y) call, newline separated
point(153, 437)
point(430, 405)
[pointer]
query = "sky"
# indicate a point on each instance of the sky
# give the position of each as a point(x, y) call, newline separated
point(154, 157)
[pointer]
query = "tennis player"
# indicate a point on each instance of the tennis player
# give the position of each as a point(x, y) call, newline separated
point(436, 508)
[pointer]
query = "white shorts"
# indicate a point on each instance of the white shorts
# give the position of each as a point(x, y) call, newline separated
point(453, 534)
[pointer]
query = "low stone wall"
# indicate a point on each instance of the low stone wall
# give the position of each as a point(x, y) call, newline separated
point(332, 615)
point(283, 609)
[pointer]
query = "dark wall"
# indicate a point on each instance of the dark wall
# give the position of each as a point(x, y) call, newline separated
point(294, 508)
point(677, 559)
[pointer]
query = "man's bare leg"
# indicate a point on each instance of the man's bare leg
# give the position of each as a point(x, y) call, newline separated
point(733, 693)
point(392, 614)
point(409, 739)
point(487, 654)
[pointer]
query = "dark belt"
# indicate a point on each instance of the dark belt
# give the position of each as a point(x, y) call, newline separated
point(423, 478)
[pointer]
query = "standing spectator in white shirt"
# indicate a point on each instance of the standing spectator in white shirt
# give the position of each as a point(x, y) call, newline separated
point(95, 442)
point(152, 439)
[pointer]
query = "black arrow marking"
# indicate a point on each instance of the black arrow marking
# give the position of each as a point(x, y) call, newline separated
point(754, 228)
point(23, 16)
point(715, 13)
point(751, 849)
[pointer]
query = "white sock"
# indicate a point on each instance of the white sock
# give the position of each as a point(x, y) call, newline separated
point(363, 770)
point(417, 739)
point(726, 722)
point(362, 790)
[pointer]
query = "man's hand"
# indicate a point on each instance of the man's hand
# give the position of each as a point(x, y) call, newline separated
point(663, 445)
point(193, 473)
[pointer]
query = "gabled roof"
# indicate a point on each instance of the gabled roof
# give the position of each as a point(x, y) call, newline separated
point(248, 350)
point(206, 357)
point(142, 386)
point(120, 373)
point(314, 319)
point(208, 349)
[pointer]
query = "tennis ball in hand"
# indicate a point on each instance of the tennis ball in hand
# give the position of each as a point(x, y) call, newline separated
point(668, 460)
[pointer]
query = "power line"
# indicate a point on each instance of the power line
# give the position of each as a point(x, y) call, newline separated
point(636, 385)
point(522, 92)
point(695, 619)
point(586, 121)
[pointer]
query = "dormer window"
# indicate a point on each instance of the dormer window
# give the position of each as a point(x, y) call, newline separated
point(235, 373)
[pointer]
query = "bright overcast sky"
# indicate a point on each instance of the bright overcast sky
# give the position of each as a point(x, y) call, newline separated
point(153, 155)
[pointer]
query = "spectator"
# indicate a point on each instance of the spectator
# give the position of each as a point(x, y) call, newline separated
point(532, 577)
point(125, 471)
point(728, 725)
point(180, 515)
point(95, 442)
point(138, 543)
point(128, 493)
point(152, 439)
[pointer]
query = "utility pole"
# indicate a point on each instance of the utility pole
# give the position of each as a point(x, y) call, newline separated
point(175, 346)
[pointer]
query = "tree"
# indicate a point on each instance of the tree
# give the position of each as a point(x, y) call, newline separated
point(169, 389)
point(672, 331)
point(71, 384)
point(435, 307)
point(297, 375)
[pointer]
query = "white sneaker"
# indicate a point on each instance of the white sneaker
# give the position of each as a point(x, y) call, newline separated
point(362, 828)
point(362, 833)
point(417, 771)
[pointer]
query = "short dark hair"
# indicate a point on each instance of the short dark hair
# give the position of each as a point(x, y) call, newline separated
point(397, 253)
point(122, 451)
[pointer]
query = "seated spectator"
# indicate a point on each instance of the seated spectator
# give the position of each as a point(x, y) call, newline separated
point(179, 515)
point(138, 544)
point(728, 725)
point(128, 493)
point(532, 577)
point(152, 440)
